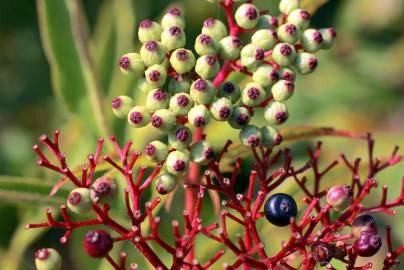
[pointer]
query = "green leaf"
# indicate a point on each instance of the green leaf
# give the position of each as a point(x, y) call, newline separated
point(29, 191)
point(62, 25)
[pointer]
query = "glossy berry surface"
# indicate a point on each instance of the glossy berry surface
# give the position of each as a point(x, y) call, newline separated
point(97, 243)
point(279, 208)
point(368, 244)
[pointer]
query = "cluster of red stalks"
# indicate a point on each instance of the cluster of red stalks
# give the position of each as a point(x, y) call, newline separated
point(270, 170)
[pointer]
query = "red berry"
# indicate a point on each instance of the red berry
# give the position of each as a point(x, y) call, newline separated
point(97, 243)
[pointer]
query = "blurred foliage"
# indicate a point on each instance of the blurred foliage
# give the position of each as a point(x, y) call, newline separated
point(359, 86)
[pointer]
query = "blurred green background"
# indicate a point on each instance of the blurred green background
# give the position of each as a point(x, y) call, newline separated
point(359, 86)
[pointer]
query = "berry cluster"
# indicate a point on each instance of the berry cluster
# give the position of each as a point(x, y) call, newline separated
point(185, 92)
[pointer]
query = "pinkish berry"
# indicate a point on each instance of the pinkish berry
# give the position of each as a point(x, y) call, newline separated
point(97, 243)
point(150, 149)
point(136, 117)
point(340, 197)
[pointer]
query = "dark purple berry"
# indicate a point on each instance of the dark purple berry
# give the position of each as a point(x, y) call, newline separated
point(363, 223)
point(368, 244)
point(97, 243)
point(279, 208)
point(322, 253)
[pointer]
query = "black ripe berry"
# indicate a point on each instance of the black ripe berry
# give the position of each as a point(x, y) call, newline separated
point(279, 208)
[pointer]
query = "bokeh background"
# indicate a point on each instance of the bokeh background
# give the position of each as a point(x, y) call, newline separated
point(359, 86)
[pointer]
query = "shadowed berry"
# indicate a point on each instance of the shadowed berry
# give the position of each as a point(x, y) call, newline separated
point(363, 223)
point(47, 259)
point(322, 253)
point(329, 36)
point(279, 208)
point(230, 47)
point(368, 244)
point(251, 56)
point(270, 136)
point(250, 136)
point(312, 40)
point(268, 22)
point(287, 74)
point(221, 109)
point(97, 243)
point(265, 75)
point(239, 118)
point(276, 113)
point(181, 85)
point(282, 90)
point(180, 137)
point(103, 190)
point(230, 90)
point(202, 152)
point(166, 183)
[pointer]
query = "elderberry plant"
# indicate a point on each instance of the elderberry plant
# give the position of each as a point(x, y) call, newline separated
point(185, 90)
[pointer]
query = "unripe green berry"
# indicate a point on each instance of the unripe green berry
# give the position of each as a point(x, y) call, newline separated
point(48, 259)
point(282, 90)
point(265, 75)
point(181, 103)
point(268, 22)
point(312, 40)
point(253, 94)
point(103, 190)
point(173, 17)
point(221, 109)
point(156, 75)
point(340, 197)
point(251, 56)
point(284, 54)
point(149, 30)
point(121, 106)
point(199, 116)
point(229, 90)
point(144, 85)
point(206, 45)
point(79, 200)
point(250, 136)
point(202, 91)
point(300, 18)
point(152, 53)
point(276, 113)
point(239, 118)
point(177, 162)
point(270, 136)
point(230, 47)
point(214, 28)
point(131, 63)
point(363, 223)
point(166, 183)
point(179, 85)
point(163, 119)
point(329, 36)
point(180, 137)
point(182, 60)
point(202, 152)
point(173, 38)
point(156, 151)
point(287, 6)
point(207, 66)
point(288, 33)
point(305, 63)
point(138, 117)
point(287, 74)
point(157, 99)
point(247, 16)
point(264, 38)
